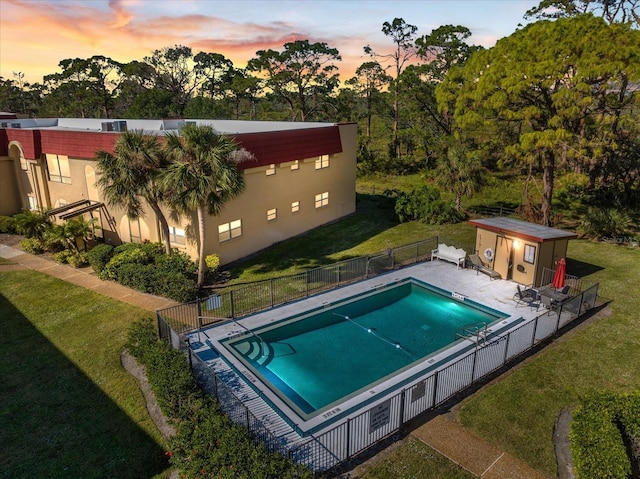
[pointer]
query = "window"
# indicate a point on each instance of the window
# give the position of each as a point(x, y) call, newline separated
point(33, 202)
point(134, 231)
point(322, 162)
point(271, 170)
point(295, 165)
point(58, 166)
point(295, 206)
point(322, 199)
point(529, 253)
point(177, 235)
point(272, 214)
point(229, 230)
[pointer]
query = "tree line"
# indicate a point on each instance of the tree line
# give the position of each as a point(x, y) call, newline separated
point(557, 99)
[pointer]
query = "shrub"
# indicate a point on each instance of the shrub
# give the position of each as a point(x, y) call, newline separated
point(99, 256)
point(7, 224)
point(605, 222)
point(62, 256)
point(122, 257)
point(77, 259)
point(425, 205)
point(213, 262)
point(207, 443)
point(176, 286)
point(32, 245)
point(32, 224)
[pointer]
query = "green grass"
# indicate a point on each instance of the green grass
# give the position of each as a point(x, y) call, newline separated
point(67, 407)
point(518, 412)
point(412, 459)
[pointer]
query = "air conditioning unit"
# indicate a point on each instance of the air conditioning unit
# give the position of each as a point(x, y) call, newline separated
point(182, 124)
point(4, 124)
point(15, 125)
point(120, 125)
point(107, 126)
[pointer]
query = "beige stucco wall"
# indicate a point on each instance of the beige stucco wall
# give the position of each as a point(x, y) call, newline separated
point(10, 203)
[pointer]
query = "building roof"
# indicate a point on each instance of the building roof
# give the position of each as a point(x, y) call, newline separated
point(271, 142)
point(522, 229)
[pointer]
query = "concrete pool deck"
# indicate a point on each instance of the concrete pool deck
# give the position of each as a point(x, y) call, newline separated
point(443, 434)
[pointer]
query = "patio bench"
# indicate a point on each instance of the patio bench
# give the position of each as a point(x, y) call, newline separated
point(450, 253)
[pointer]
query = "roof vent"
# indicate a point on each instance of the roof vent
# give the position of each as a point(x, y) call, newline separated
point(120, 125)
point(182, 124)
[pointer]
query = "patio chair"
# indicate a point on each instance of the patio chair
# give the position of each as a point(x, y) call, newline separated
point(479, 266)
point(526, 297)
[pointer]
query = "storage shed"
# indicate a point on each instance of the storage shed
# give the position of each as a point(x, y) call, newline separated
point(519, 250)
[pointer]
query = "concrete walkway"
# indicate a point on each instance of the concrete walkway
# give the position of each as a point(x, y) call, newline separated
point(443, 434)
point(84, 277)
point(472, 453)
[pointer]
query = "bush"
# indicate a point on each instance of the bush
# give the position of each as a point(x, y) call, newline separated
point(127, 256)
point(207, 443)
point(213, 262)
point(77, 259)
point(425, 205)
point(605, 222)
point(99, 256)
point(62, 257)
point(32, 245)
point(176, 286)
point(32, 224)
point(600, 427)
point(7, 224)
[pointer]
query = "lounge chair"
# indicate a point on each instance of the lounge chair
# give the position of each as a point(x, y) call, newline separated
point(479, 266)
point(526, 297)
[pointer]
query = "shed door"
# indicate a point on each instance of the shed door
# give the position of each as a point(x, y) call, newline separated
point(503, 259)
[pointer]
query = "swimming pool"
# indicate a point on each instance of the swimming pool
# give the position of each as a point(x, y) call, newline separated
point(319, 359)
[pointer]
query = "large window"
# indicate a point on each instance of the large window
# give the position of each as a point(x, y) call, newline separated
point(58, 166)
point(229, 230)
point(177, 235)
point(322, 199)
point(322, 162)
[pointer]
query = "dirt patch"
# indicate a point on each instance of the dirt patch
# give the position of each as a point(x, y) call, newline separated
point(562, 445)
point(11, 240)
point(134, 368)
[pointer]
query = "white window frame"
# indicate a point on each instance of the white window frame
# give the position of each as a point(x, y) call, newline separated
point(229, 231)
point(177, 236)
point(295, 206)
point(322, 199)
point(295, 165)
point(271, 170)
point(58, 168)
point(322, 162)
point(272, 214)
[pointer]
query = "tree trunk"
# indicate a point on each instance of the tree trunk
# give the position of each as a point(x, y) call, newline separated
point(201, 237)
point(164, 226)
point(547, 187)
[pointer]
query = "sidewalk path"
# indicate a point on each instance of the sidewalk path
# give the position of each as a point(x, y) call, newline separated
point(470, 452)
point(84, 277)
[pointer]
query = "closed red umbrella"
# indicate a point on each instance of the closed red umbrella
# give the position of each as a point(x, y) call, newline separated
point(558, 277)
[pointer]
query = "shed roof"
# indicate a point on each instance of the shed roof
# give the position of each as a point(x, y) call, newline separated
point(522, 229)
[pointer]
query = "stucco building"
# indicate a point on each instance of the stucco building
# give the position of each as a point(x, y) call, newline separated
point(303, 176)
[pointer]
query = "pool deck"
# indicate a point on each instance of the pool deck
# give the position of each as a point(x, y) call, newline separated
point(478, 287)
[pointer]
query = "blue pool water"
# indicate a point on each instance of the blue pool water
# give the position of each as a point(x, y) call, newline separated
point(318, 359)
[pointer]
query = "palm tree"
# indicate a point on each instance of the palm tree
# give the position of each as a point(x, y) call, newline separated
point(132, 173)
point(32, 224)
point(202, 176)
point(461, 172)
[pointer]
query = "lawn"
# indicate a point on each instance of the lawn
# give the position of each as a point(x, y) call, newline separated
point(67, 407)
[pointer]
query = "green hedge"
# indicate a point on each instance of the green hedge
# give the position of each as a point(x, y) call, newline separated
point(207, 443)
point(601, 426)
point(99, 256)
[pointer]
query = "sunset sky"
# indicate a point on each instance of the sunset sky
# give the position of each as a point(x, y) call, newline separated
point(35, 35)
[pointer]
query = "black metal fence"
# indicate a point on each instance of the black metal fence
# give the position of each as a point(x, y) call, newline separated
point(382, 419)
point(274, 292)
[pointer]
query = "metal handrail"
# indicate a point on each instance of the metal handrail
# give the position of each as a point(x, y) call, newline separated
point(253, 333)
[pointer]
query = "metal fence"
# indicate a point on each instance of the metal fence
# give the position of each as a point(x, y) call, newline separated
point(384, 418)
point(274, 292)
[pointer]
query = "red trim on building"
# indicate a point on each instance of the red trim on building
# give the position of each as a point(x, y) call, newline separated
point(77, 144)
point(28, 139)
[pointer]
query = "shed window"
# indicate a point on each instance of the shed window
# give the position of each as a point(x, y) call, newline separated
point(529, 254)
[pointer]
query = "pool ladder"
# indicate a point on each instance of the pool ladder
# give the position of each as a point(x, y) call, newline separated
point(476, 333)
